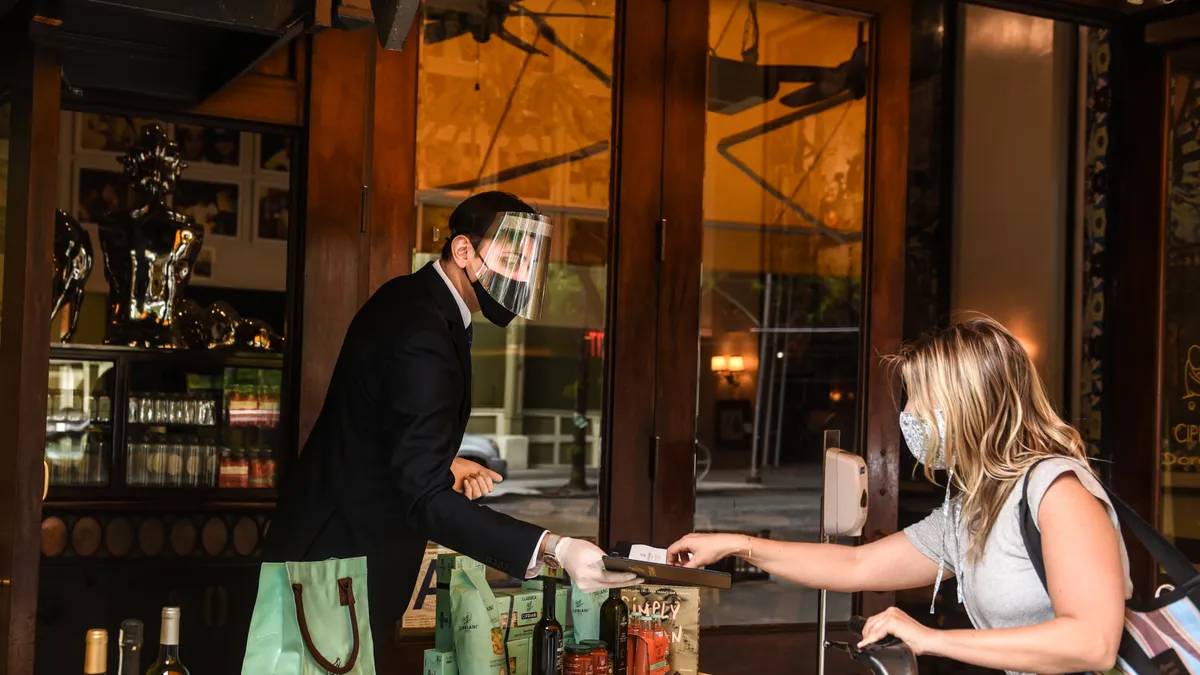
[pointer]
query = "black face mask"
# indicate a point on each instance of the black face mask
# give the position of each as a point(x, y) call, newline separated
point(492, 311)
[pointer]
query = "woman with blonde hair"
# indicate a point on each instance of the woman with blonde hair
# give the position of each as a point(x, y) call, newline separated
point(977, 409)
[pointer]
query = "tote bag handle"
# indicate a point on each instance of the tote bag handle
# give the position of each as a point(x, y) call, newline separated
point(346, 594)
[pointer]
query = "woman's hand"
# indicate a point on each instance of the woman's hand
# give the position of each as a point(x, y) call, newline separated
point(892, 621)
point(473, 479)
point(698, 550)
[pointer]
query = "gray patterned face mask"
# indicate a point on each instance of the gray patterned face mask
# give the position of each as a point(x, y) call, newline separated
point(917, 433)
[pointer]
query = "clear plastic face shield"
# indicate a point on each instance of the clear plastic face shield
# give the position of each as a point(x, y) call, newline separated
point(515, 254)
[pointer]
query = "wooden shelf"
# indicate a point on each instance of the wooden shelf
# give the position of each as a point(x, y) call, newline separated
point(142, 497)
point(212, 357)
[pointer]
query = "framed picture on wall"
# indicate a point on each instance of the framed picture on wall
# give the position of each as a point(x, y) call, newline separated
point(99, 191)
point(274, 152)
point(734, 424)
point(209, 145)
point(214, 205)
point(204, 263)
point(110, 133)
point(272, 210)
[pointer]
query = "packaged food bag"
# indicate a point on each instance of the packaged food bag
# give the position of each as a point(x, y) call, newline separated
point(585, 612)
point(446, 564)
point(478, 640)
point(440, 663)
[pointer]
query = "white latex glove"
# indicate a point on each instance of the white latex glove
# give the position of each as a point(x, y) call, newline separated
point(583, 562)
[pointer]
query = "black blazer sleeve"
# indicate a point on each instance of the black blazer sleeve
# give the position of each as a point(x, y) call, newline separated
point(424, 387)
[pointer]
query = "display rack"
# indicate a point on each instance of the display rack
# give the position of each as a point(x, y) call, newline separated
point(138, 426)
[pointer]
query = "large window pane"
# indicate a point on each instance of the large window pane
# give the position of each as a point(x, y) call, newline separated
point(786, 145)
point(1181, 348)
point(522, 102)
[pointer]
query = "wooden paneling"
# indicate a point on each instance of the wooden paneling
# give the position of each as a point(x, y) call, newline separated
point(1133, 414)
point(685, 88)
point(337, 136)
point(632, 326)
point(393, 162)
point(25, 344)
point(791, 649)
point(273, 92)
point(360, 193)
point(782, 649)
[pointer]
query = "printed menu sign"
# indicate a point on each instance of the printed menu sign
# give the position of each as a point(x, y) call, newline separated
point(421, 613)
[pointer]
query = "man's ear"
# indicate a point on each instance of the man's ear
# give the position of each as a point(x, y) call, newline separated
point(460, 250)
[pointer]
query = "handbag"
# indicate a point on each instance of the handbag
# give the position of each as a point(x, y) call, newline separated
point(311, 618)
point(1162, 634)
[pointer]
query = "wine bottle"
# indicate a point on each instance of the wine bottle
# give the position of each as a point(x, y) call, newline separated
point(129, 661)
point(614, 630)
point(95, 655)
point(168, 662)
point(548, 635)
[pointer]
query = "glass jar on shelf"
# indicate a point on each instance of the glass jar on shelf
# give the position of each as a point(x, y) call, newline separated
point(162, 411)
point(135, 461)
point(173, 462)
point(156, 451)
point(206, 410)
point(191, 408)
point(103, 409)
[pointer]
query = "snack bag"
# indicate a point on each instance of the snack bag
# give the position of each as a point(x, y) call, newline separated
point(585, 612)
point(478, 639)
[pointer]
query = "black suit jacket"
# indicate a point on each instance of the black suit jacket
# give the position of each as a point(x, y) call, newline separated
point(374, 476)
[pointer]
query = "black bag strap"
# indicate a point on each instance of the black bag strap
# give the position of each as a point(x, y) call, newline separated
point(1176, 564)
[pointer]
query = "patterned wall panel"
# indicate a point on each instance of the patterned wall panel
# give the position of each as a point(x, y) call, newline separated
point(200, 537)
point(1094, 269)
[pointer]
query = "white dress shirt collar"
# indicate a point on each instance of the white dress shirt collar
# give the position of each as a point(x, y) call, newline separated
point(462, 306)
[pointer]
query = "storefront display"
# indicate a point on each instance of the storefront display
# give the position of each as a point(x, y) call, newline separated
point(641, 630)
point(179, 421)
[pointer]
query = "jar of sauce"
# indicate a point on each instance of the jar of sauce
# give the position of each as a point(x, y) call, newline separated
point(600, 656)
point(577, 660)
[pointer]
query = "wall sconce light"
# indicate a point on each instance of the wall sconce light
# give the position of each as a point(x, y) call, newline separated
point(729, 367)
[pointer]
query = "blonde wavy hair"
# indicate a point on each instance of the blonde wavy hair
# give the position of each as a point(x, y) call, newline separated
point(999, 419)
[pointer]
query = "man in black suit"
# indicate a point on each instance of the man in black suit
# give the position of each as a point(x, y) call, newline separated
point(375, 478)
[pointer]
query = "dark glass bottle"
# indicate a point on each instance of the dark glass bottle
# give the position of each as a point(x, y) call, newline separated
point(130, 661)
point(168, 662)
point(614, 631)
point(548, 635)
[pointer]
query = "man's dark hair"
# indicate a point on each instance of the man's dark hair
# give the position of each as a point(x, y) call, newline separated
point(475, 214)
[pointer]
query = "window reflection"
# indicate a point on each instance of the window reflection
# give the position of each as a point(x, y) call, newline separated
point(781, 283)
point(1181, 348)
point(521, 101)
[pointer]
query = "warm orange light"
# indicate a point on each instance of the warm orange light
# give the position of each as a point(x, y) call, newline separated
point(835, 395)
point(720, 364)
point(737, 364)
point(1030, 346)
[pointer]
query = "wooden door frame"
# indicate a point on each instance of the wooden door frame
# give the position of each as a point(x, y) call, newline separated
point(25, 342)
point(883, 265)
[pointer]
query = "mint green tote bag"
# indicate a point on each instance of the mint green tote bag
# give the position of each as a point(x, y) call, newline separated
point(311, 618)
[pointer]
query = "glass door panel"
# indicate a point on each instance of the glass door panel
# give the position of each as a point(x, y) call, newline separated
point(529, 114)
point(781, 304)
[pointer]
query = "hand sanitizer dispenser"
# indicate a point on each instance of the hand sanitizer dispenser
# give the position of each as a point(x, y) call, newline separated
point(843, 511)
point(845, 494)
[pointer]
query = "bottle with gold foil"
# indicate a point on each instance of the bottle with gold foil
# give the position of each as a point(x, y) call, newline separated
point(95, 655)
